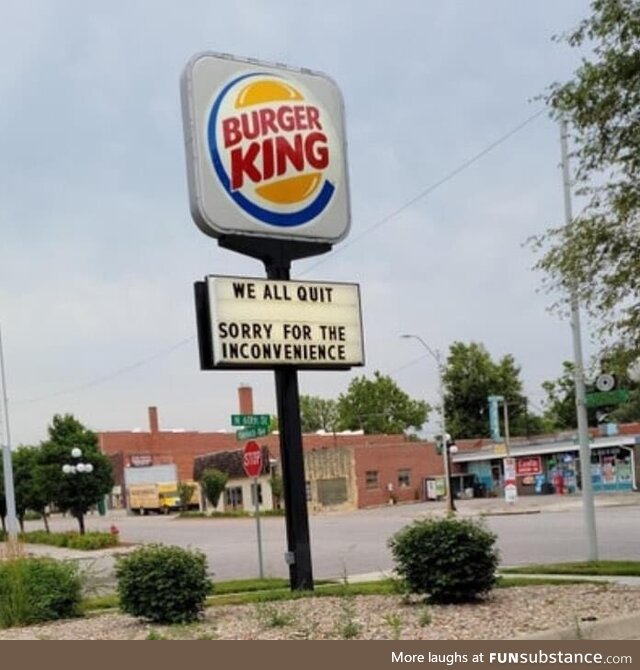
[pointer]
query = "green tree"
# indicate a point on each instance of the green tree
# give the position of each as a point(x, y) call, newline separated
point(470, 377)
point(560, 403)
point(277, 490)
point(599, 252)
point(75, 493)
point(318, 414)
point(213, 482)
point(185, 493)
point(378, 405)
point(30, 494)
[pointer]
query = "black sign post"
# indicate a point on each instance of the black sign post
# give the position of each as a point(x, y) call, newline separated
point(293, 477)
point(277, 256)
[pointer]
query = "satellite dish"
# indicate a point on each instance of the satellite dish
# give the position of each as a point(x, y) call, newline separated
point(605, 382)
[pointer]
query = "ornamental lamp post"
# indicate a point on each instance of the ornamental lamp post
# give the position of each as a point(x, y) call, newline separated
point(77, 468)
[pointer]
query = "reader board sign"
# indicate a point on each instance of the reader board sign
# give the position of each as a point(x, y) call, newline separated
point(262, 323)
point(266, 151)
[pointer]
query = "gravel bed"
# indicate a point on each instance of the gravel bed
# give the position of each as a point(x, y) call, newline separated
point(508, 613)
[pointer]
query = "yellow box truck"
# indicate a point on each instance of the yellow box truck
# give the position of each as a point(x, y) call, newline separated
point(160, 498)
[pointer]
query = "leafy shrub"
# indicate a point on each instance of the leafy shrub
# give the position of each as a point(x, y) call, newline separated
point(92, 540)
point(42, 537)
point(38, 589)
point(450, 560)
point(71, 539)
point(163, 584)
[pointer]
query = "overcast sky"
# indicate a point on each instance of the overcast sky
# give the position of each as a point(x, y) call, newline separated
point(98, 252)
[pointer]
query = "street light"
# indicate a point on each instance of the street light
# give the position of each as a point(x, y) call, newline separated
point(77, 468)
point(445, 448)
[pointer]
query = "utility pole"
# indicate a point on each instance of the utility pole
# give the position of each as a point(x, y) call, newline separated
point(581, 404)
point(9, 493)
point(505, 416)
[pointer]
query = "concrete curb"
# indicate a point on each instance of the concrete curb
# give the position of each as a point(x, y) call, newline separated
point(620, 628)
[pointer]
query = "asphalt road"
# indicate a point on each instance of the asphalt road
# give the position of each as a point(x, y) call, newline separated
point(355, 542)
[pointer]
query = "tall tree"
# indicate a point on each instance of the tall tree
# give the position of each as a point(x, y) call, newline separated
point(30, 493)
point(213, 482)
point(470, 377)
point(379, 405)
point(75, 493)
point(318, 414)
point(560, 403)
point(599, 252)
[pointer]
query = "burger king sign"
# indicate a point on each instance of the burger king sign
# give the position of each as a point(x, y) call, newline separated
point(265, 150)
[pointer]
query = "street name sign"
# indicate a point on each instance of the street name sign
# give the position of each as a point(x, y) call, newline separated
point(604, 398)
point(248, 433)
point(248, 420)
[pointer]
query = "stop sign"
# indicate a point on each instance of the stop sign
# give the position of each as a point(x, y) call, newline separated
point(252, 459)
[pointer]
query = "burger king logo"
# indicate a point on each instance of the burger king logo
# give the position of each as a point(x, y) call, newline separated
point(273, 149)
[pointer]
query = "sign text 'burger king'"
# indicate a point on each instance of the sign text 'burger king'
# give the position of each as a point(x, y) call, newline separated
point(266, 148)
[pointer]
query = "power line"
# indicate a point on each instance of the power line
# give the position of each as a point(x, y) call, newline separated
point(385, 219)
point(429, 189)
point(117, 373)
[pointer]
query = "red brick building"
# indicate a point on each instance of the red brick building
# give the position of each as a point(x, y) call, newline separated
point(343, 470)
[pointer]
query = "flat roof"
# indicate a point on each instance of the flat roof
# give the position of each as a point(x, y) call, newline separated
point(498, 450)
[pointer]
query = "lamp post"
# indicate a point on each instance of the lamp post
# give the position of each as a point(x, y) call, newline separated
point(435, 354)
point(77, 467)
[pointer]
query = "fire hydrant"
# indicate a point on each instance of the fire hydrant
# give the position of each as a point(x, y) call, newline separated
point(114, 530)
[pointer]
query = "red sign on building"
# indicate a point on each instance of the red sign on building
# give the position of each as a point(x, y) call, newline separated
point(252, 459)
point(140, 460)
point(528, 465)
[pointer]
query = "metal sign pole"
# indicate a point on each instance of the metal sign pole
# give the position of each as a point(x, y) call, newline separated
point(293, 477)
point(258, 532)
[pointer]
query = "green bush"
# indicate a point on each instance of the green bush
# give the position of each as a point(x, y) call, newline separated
point(92, 540)
point(71, 539)
point(33, 590)
point(163, 584)
point(449, 560)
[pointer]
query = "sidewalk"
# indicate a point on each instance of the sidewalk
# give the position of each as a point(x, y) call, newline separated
point(542, 503)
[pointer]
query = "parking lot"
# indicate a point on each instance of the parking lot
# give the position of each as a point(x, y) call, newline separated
point(541, 529)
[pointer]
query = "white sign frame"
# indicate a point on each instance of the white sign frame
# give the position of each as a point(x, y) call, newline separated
point(218, 208)
point(256, 323)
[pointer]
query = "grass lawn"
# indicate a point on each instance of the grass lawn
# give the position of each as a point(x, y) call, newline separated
point(605, 568)
point(245, 591)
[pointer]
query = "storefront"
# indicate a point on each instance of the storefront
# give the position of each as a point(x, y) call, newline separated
point(545, 468)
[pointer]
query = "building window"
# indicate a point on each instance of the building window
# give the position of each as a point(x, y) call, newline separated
point(233, 497)
point(404, 479)
point(307, 488)
point(371, 479)
point(253, 494)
